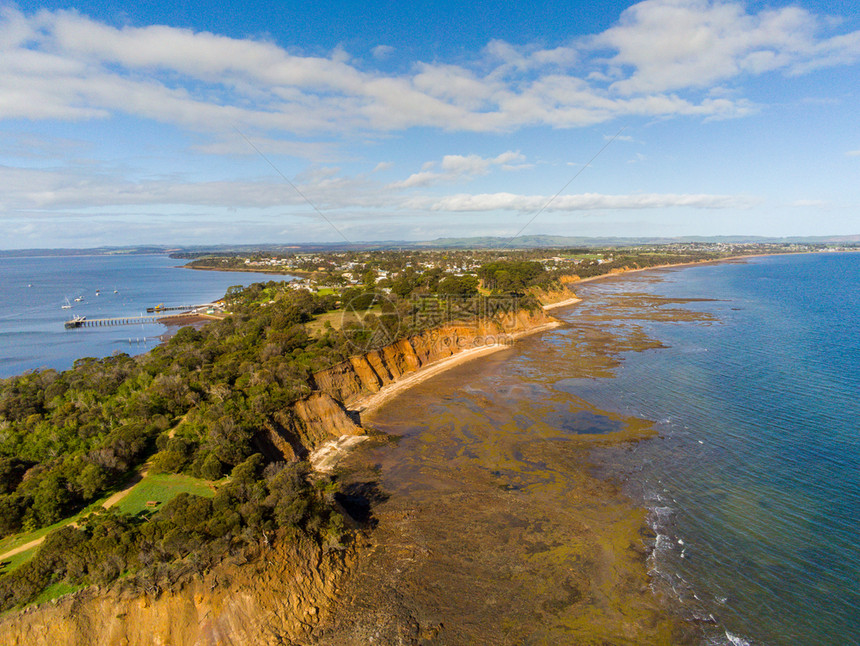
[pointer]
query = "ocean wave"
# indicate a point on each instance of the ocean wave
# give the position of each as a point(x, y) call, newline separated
point(735, 640)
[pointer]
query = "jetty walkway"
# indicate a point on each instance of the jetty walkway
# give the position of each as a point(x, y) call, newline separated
point(194, 310)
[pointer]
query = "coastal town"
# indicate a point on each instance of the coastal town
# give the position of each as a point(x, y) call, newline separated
point(386, 269)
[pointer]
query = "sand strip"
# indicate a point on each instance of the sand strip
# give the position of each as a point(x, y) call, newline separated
point(711, 261)
point(568, 301)
point(325, 458)
point(374, 401)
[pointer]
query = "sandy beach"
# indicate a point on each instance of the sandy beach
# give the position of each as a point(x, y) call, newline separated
point(374, 401)
point(714, 261)
point(327, 456)
point(568, 301)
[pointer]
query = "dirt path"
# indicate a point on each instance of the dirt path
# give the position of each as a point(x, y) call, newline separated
point(107, 504)
point(122, 493)
point(21, 548)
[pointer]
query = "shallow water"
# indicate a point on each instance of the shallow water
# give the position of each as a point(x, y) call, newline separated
point(490, 529)
point(755, 486)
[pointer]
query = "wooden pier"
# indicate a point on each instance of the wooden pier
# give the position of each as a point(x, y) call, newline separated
point(125, 320)
point(154, 315)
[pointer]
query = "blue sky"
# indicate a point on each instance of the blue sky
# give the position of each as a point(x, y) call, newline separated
point(206, 123)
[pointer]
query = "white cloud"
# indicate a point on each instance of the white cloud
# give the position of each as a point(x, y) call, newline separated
point(582, 202)
point(48, 191)
point(853, 153)
point(475, 164)
point(424, 178)
point(381, 52)
point(678, 44)
point(461, 167)
point(63, 65)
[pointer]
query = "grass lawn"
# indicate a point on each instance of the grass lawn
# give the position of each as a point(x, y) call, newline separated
point(14, 562)
point(317, 325)
point(13, 541)
point(583, 256)
point(54, 591)
point(160, 488)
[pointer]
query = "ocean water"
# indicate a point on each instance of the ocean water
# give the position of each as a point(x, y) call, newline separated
point(33, 291)
point(754, 486)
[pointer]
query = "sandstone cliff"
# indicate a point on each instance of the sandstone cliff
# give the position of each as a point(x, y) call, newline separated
point(277, 599)
point(365, 374)
point(280, 596)
point(311, 421)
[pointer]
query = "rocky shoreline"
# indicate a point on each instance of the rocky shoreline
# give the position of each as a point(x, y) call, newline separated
point(285, 592)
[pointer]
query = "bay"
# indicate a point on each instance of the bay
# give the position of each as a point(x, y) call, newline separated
point(33, 291)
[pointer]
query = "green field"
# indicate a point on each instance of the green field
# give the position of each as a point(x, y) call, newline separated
point(160, 488)
point(13, 541)
point(14, 562)
point(582, 256)
point(54, 591)
point(153, 488)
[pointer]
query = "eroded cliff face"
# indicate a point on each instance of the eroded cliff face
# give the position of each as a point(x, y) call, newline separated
point(277, 599)
point(294, 432)
point(364, 375)
point(552, 296)
point(281, 596)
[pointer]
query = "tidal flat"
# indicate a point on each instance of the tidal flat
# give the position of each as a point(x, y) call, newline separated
point(488, 522)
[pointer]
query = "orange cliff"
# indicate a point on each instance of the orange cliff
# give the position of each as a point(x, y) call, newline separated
point(325, 414)
point(281, 596)
point(351, 381)
point(276, 599)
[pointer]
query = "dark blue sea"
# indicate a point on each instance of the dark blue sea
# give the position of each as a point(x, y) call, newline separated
point(34, 290)
point(754, 486)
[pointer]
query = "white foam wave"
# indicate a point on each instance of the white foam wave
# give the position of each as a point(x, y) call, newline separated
point(735, 640)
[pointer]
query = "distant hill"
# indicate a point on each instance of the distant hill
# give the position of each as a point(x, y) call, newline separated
point(534, 241)
point(486, 242)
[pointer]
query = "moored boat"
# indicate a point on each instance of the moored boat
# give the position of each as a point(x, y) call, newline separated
point(77, 321)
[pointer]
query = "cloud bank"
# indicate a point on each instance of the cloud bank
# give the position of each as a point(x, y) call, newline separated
point(655, 62)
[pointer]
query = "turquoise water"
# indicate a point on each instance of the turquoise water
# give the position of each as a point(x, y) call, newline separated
point(33, 291)
point(754, 486)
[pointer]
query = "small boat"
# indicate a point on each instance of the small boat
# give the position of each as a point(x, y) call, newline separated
point(78, 321)
point(67, 306)
point(97, 292)
point(79, 299)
